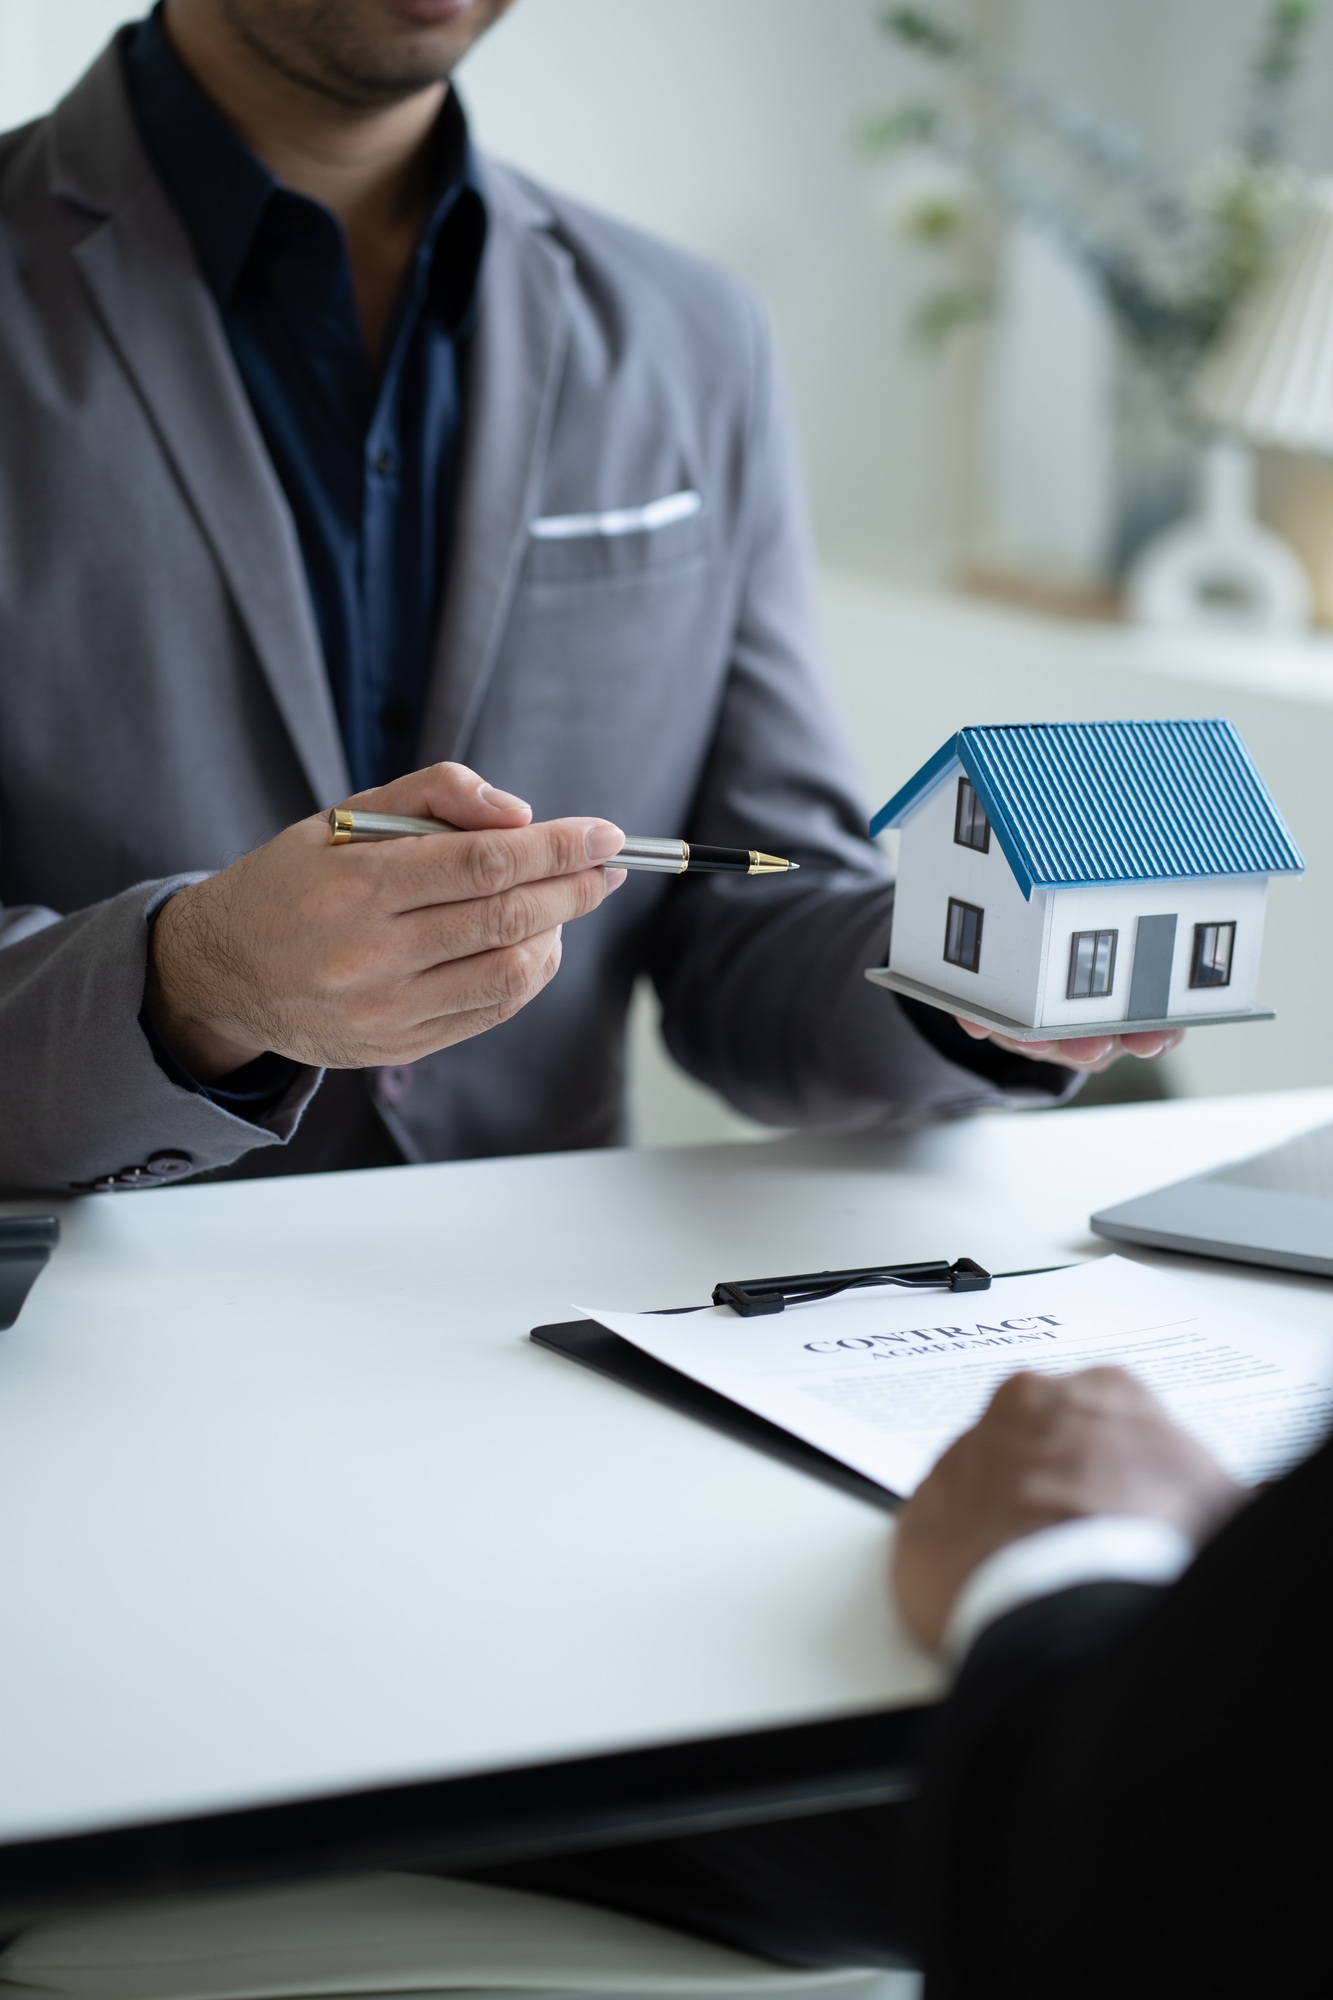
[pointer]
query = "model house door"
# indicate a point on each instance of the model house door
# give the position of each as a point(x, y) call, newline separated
point(1150, 981)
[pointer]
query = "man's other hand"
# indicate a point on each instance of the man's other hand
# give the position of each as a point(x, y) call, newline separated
point(1090, 1054)
point(381, 952)
point(1048, 1449)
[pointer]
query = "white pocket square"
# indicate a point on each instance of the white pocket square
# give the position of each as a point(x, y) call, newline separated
point(618, 520)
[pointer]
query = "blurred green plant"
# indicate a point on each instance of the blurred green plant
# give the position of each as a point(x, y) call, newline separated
point(1171, 260)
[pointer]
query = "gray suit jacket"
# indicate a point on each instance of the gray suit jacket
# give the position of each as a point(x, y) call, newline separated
point(164, 705)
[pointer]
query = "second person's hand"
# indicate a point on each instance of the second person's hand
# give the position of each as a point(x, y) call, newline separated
point(1049, 1449)
point(348, 956)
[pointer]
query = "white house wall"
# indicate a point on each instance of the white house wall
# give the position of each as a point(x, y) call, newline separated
point(932, 867)
point(1238, 900)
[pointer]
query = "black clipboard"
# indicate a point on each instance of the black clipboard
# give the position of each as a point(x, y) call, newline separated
point(26, 1241)
point(594, 1346)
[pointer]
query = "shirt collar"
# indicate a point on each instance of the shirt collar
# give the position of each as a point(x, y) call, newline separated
point(223, 192)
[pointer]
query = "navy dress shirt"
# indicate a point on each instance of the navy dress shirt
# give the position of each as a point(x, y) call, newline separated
point(368, 465)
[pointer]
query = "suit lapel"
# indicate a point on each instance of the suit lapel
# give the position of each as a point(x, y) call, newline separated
point(513, 376)
point(156, 311)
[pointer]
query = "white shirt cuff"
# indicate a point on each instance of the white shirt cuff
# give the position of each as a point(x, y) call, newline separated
point(1130, 1548)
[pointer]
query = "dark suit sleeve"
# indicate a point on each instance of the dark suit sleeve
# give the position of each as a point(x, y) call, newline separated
point(762, 982)
point(1118, 1797)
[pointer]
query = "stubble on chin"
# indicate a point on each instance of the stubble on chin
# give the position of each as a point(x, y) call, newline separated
point(334, 50)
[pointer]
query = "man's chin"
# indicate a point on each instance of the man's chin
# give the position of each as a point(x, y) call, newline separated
point(363, 53)
point(428, 37)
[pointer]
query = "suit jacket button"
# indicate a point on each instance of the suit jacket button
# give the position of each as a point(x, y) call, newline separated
point(160, 1167)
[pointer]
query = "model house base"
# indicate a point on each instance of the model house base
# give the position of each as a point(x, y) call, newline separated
point(1022, 1031)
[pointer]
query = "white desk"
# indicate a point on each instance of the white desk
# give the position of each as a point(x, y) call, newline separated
point(289, 1505)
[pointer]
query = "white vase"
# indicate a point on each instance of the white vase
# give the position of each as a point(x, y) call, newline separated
point(1219, 570)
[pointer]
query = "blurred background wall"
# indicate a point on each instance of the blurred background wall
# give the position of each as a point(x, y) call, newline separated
point(728, 126)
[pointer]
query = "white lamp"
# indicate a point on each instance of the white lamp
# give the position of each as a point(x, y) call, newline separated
point(1270, 382)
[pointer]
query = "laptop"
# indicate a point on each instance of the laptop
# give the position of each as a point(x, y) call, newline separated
point(1274, 1208)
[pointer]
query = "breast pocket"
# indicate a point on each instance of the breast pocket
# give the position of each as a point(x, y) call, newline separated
point(621, 542)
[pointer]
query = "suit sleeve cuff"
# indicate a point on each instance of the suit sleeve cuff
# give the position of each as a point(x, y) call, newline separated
point(250, 1093)
point(1126, 1548)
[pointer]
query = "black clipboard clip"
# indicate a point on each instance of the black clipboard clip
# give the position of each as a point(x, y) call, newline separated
point(751, 1297)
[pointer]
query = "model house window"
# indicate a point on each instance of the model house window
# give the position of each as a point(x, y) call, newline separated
point(1091, 964)
point(962, 935)
point(1213, 948)
point(971, 828)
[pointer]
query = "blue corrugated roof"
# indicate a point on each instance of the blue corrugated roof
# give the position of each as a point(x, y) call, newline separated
point(1076, 803)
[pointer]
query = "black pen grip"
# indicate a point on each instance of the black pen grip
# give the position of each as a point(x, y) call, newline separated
point(718, 860)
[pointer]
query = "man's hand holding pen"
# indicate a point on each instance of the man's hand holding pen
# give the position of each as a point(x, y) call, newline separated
point(381, 953)
point(396, 947)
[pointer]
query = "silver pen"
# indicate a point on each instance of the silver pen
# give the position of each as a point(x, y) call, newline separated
point(654, 856)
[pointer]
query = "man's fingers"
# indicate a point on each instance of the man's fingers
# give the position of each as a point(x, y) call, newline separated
point(493, 984)
point(451, 931)
point(1081, 1052)
point(487, 864)
point(450, 793)
point(446, 1030)
point(1154, 1042)
point(1028, 1397)
point(418, 873)
point(973, 1028)
point(427, 1010)
point(1038, 1051)
point(1024, 1395)
point(431, 1010)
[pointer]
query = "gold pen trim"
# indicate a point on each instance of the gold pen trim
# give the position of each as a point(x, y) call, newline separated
point(766, 864)
point(340, 826)
point(684, 857)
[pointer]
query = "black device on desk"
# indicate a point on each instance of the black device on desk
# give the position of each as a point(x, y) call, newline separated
point(26, 1241)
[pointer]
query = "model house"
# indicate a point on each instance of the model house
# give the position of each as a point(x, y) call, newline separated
point(1068, 878)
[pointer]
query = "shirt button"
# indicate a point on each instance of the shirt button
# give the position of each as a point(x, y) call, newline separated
point(169, 1166)
point(383, 464)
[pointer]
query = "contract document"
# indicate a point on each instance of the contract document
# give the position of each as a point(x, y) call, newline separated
point(884, 1380)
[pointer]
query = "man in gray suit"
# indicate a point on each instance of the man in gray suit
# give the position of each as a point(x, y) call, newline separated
point(333, 455)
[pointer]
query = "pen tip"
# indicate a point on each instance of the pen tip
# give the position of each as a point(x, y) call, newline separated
point(793, 867)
